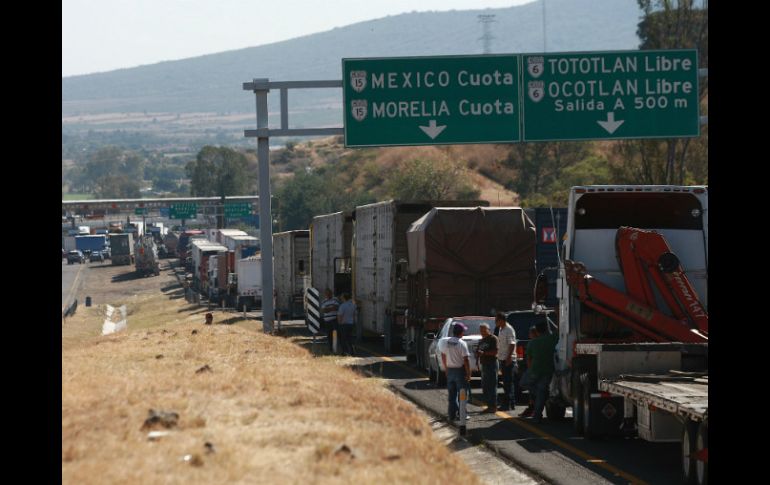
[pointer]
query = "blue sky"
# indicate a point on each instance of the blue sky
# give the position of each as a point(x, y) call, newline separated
point(102, 35)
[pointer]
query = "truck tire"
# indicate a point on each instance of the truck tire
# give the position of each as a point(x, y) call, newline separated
point(689, 435)
point(554, 411)
point(577, 405)
point(586, 385)
point(392, 339)
point(702, 442)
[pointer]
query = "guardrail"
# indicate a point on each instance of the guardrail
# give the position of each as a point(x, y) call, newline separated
point(70, 310)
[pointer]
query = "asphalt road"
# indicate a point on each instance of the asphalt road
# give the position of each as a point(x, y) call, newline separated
point(71, 279)
point(551, 450)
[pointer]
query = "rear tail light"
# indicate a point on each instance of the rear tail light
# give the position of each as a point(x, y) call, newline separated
point(520, 351)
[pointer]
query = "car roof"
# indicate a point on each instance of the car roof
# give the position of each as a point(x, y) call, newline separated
point(472, 317)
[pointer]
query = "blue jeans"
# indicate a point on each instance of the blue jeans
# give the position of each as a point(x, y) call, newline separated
point(509, 398)
point(455, 380)
point(538, 385)
point(489, 383)
point(346, 338)
point(331, 326)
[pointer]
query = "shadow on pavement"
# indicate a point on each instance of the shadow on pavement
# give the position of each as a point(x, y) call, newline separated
point(133, 275)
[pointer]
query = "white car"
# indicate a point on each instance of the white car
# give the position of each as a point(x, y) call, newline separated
point(472, 336)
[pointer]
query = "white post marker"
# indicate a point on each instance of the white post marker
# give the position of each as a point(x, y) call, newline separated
point(463, 410)
point(313, 311)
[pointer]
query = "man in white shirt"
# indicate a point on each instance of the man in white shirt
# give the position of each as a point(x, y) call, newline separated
point(506, 337)
point(454, 355)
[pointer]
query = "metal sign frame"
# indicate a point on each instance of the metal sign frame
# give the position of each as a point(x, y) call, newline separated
point(261, 87)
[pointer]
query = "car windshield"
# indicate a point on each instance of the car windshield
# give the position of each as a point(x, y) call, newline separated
point(474, 325)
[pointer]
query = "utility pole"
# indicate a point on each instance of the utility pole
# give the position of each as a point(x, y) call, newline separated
point(545, 44)
point(486, 20)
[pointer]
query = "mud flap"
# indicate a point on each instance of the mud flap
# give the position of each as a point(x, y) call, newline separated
point(605, 414)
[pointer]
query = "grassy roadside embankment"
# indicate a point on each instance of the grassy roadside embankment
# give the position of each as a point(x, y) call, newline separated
point(269, 408)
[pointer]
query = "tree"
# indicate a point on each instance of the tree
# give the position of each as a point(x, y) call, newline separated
point(113, 173)
point(538, 165)
point(430, 180)
point(669, 24)
point(219, 171)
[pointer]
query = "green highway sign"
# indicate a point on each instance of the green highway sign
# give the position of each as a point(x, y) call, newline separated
point(238, 209)
point(431, 100)
point(140, 211)
point(610, 95)
point(183, 210)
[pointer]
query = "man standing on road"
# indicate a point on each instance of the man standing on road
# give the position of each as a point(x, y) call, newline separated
point(540, 367)
point(346, 317)
point(454, 355)
point(329, 311)
point(487, 355)
point(506, 338)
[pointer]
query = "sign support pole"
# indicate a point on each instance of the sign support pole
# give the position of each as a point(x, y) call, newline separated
point(261, 89)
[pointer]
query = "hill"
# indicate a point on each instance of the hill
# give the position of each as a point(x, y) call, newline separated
point(212, 83)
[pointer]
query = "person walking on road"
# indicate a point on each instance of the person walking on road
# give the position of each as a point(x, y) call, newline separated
point(540, 366)
point(506, 338)
point(329, 311)
point(346, 318)
point(454, 355)
point(487, 355)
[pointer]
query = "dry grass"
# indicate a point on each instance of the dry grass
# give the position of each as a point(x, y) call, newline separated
point(271, 411)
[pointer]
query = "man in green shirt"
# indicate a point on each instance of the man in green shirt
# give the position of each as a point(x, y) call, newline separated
point(540, 367)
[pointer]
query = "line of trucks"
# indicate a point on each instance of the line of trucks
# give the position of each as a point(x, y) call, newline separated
point(621, 275)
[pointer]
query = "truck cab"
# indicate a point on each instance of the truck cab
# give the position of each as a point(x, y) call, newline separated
point(596, 344)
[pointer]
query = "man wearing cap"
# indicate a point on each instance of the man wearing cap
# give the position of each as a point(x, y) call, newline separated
point(487, 355)
point(454, 356)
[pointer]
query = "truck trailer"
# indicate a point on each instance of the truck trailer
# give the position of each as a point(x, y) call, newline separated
point(291, 271)
point(380, 259)
point(88, 244)
point(331, 237)
point(466, 261)
point(248, 282)
point(122, 248)
point(146, 256)
point(632, 354)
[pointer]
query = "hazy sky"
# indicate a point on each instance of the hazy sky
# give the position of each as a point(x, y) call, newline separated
point(102, 35)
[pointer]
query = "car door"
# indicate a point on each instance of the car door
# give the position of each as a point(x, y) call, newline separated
point(434, 354)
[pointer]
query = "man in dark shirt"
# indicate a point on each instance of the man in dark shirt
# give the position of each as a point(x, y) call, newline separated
point(540, 367)
point(487, 355)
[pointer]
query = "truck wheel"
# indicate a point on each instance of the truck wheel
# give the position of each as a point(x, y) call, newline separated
point(588, 431)
point(689, 435)
point(554, 411)
point(701, 443)
point(577, 406)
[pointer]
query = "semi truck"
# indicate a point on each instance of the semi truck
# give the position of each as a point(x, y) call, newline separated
point(243, 246)
point(632, 354)
point(200, 250)
point(247, 281)
point(291, 271)
point(88, 244)
point(379, 259)
point(170, 240)
point(466, 261)
point(331, 238)
point(551, 226)
point(122, 248)
point(146, 256)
